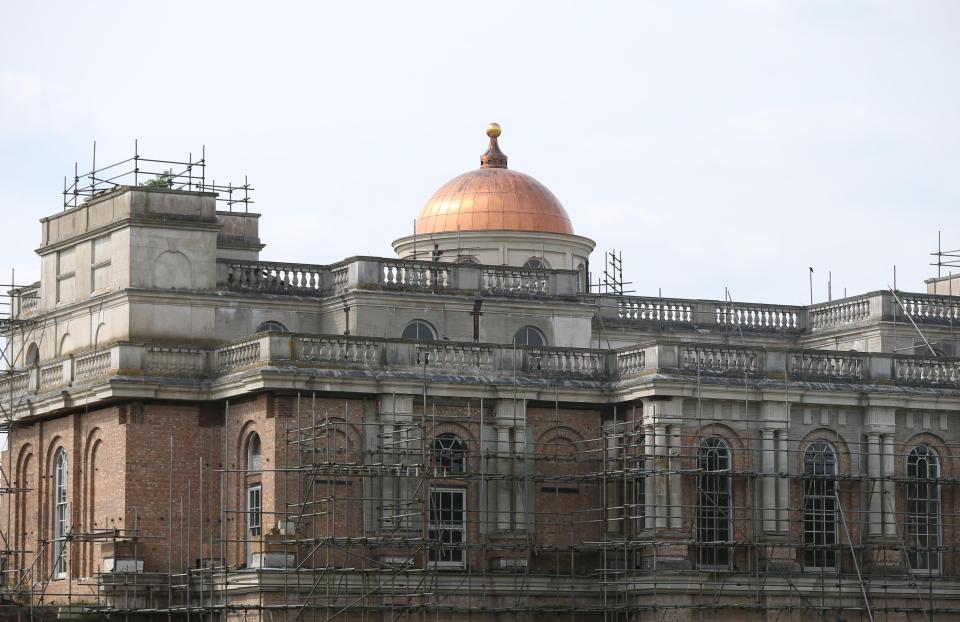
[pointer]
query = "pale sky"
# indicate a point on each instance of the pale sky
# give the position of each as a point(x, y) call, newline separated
point(717, 144)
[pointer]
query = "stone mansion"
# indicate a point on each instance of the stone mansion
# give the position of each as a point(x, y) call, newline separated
point(467, 430)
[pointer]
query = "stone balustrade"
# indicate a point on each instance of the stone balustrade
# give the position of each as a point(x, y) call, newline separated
point(393, 274)
point(333, 349)
point(51, 375)
point(27, 300)
point(840, 312)
point(91, 364)
point(174, 360)
point(416, 275)
point(459, 356)
point(656, 310)
point(631, 361)
point(721, 359)
point(715, 314)
point(927, 371)
point(284, 351)
point(13, 384)
point(810, 364)
point(275, 277)
point(759, 317)
point(237, 355)
point(507, 281)
point(565, 362)
point(925, 308)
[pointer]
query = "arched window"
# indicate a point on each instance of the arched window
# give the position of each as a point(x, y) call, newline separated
point(820, 507)
point(254, 459)
point(60, 520)
point(271, 327)
point(713, 502)
point(449, 453)
point(253, 494)
point(923, 510)
point(418, 330)
point(536, 263)
point(529, 336)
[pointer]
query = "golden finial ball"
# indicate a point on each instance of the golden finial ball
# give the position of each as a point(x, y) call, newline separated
point(493, 130)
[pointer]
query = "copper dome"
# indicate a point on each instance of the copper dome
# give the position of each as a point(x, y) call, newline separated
point(493, 198)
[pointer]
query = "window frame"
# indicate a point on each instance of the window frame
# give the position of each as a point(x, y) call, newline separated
point(536, 263)
point(437, 530)
point(253, 516)
point(60, 513)
point(271, 326)
point(934, 498)
point(714, 484)
point(529, 329)
point(253, 440)
point(455, 456)
point(423, 323)
point(818, 507)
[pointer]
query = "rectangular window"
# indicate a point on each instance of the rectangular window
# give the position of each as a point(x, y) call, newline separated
point(60, 528)
point(820, 523)
point(448, 529)
point(254, 514)
point(713, 519)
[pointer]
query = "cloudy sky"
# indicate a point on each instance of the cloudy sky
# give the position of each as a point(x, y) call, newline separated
point(717, 144)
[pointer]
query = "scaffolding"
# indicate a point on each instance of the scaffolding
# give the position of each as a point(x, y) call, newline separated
point(187, 175)
point(639, 521)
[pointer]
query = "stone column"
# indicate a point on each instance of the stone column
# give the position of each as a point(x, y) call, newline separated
point(675, 482)
point(520, 482)
point(774, 490)
point(875, 522)
point(398, 450)
point(887, 554)
point(662, 419)
point(649, 482)
point(661, 487)
point(783, 483)
point(769, 500)
point(889, 487)
point(613, 490)
point(504, 464)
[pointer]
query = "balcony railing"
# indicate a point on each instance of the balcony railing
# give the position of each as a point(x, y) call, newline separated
point(394, 274)
point(283, 351)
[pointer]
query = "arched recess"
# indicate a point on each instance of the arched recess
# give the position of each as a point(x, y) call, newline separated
point(564, 511)
point(98, 334)
point(90, 515)
point(27, 508)
point(66, 344)
point(172, 270)
point(32, 358)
